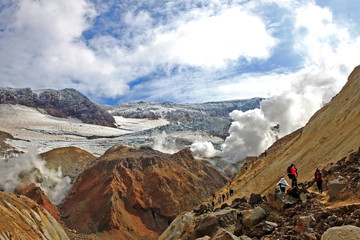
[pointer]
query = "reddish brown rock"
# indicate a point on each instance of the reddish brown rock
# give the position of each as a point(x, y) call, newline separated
point(36, 194)
point(136, 193)
point(22, 218)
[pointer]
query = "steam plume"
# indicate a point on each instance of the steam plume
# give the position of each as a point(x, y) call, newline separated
point(19, 172)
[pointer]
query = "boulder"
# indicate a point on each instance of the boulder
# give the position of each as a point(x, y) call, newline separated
point(303, 223)
point(263, 228)
point(310, 236)
point(334, 187)
point(281, 201)
point(255, 199)
point(201, 209)
point(223, 234)
point(208, 226)
point(227, 217)
point(237, 201)
point(204, 238)
point(254, 216)
point(347, 232)
point(244, 237)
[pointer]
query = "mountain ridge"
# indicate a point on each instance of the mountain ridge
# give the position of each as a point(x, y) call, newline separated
point(180, 111)
point(63, 103)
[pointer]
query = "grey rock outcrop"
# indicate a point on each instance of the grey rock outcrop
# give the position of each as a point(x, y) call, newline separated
point(63, 103)
point(347, 232)
point(334, 187)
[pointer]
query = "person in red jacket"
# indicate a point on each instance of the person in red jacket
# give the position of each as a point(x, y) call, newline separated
point(319, 180)
point(292, 174)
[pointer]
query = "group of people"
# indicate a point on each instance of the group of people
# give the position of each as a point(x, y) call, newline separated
point(221, 198)
point(293, 175)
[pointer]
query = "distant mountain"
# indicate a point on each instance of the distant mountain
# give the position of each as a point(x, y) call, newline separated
point(176, 112)
point(63, 103)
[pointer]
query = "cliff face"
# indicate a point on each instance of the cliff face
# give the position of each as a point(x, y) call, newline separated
point(22, 218)
point(62, 103)
point(136, 193)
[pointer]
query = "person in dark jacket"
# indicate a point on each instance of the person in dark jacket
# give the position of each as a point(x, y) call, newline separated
point(292, 174)
point(319, 180)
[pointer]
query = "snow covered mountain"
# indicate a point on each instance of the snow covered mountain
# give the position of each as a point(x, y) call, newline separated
point(63, 103)
point(175, 112)
point(48, 119)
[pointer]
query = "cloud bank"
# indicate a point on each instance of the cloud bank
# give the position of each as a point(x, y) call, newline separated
point(327, 59)
point(188, 51)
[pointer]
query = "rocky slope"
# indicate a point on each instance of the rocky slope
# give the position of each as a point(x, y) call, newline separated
point(329, 141)
point(22, 218)
point(37, 194)
point(176, 112)
point(6, 149)
point(301, 213)
point(63, 103)
point(135, 193)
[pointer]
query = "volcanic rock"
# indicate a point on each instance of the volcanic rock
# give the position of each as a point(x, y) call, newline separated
point(263, 228)
point(36, 193)
point(136, 193)
point(281, 201)
point(254, 216)
point(303, 223)
point(71, 160)
point(223, 234)
point(255, 199)
point(22, 218)
point(334, 187)
point(347, 232)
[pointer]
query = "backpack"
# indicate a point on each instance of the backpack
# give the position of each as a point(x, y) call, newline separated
point(288, 171)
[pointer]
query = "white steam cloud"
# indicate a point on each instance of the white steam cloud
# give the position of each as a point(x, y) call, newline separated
point(19, 172)
point(253, 131)
point(164, 144)
point(203, 148)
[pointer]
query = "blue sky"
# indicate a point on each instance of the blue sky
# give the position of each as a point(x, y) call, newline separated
point(181, 51)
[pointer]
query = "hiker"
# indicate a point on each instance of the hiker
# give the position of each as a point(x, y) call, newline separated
point(209, 207)
point(231, 192)
point(319, 179)
point(223, 197)
point(292, 174)
point(282, 184)
point(214, 196)
point(230, 181)
point(212, 205)
point(227, 195)
point(219, 199)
